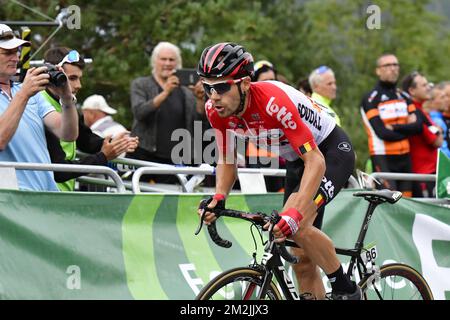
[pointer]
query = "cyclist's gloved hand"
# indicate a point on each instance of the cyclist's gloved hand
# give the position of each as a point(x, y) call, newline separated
point(217, 201)
point(289, 222)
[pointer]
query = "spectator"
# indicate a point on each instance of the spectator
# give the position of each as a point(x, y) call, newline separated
point(87, 141)
point(424, 145)
point(323, 86)
point(304, 87)
point(445, 86)
point(24, 113)
point(160, 106)
point(200, 99)
point(389, 119)
point(264, 70)
point(435, 106)
point(97, 116)
point(200, 114)
point(283, 79)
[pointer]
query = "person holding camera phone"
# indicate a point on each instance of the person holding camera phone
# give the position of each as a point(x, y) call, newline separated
point(161, 105)
point(24, 113)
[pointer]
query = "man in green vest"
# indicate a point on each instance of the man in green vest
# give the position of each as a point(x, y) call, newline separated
point(87, 141)
point(323, 85)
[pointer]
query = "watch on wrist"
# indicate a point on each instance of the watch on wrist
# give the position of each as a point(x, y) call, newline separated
point(73, 101)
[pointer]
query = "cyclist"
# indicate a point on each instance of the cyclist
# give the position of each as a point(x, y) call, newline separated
point(319, 156)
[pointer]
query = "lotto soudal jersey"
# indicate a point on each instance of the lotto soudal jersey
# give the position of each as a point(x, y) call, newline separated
point(277, 117)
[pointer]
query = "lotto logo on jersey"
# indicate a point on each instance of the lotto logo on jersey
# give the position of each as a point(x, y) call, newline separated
point(282, 114)
point(327, 187)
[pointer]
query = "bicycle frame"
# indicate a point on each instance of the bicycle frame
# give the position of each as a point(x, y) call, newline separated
point(355, 253)
point(273, 265)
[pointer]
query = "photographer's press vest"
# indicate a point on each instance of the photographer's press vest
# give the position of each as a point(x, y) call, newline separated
point(70, 148)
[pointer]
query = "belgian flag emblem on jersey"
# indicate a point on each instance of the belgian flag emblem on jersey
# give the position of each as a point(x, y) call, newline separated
point(305, 148)
point(319, 200)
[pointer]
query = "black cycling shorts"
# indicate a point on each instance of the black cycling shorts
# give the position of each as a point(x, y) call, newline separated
point(340, 163)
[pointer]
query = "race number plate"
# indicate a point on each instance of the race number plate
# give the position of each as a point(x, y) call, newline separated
point(369, 253)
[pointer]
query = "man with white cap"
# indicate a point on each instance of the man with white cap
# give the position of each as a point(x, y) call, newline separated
point(24, 113)
point(97, 115)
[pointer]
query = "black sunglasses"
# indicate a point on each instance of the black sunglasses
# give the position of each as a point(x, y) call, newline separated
point(219, 87)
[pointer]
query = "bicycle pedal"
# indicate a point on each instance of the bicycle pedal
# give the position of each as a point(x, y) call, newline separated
point(307, 296)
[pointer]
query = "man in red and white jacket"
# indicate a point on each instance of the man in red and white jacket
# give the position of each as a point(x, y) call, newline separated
point(424, 145)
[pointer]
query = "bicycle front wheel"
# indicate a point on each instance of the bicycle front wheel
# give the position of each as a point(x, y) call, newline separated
point(396, 282)
point(238, 284)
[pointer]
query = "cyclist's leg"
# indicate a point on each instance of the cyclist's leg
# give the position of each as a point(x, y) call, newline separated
point(340, 163)
point(307, 273)
point(319, 249)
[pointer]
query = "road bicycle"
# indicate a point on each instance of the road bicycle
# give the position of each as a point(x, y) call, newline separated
point(395, 281)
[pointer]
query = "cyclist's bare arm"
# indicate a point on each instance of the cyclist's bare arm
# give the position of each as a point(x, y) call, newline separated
point(303, 200)
point(226, 175)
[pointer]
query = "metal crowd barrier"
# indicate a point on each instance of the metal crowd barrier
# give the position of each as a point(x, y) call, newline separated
point(209, 171)
point(404, 176)
point(68, 168)
point(125, 164)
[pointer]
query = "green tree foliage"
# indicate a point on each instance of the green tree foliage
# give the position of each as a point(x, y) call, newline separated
point(296, 36)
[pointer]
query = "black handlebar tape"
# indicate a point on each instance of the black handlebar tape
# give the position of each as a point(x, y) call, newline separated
point(286, 255)
point(216, 238)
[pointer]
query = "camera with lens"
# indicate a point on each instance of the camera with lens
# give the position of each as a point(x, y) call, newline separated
point(57, 77)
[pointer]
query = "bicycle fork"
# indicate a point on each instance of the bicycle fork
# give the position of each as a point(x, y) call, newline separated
point(273, 265)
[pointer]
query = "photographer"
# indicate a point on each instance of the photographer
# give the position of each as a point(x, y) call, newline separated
point(64, 152)
point(161, 105)
point(24, 113)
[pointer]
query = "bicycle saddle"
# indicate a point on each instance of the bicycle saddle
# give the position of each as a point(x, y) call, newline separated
point(380, 195)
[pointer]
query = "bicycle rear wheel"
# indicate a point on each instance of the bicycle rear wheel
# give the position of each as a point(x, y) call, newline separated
point(238, 284)
point(396, 282)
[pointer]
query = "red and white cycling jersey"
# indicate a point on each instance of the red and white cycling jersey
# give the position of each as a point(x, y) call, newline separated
point(277, 115)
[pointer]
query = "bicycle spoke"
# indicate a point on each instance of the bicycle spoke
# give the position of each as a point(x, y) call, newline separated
point(397, 282)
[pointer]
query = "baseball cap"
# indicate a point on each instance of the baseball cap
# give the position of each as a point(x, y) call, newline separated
point(97, 102)
point(8, 40)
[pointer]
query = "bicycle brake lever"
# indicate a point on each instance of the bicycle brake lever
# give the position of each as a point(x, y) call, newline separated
point(199, 228)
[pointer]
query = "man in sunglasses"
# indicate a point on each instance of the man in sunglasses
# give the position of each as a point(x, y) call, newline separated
point(319, 156)
point(24, 113)
point(101, 150)
point(389, 119)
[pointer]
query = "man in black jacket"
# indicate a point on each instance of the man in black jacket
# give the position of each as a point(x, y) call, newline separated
point(389, 119)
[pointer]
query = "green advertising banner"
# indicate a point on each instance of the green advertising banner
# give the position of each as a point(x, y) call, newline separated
point(110, 246)
point(443, 176)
